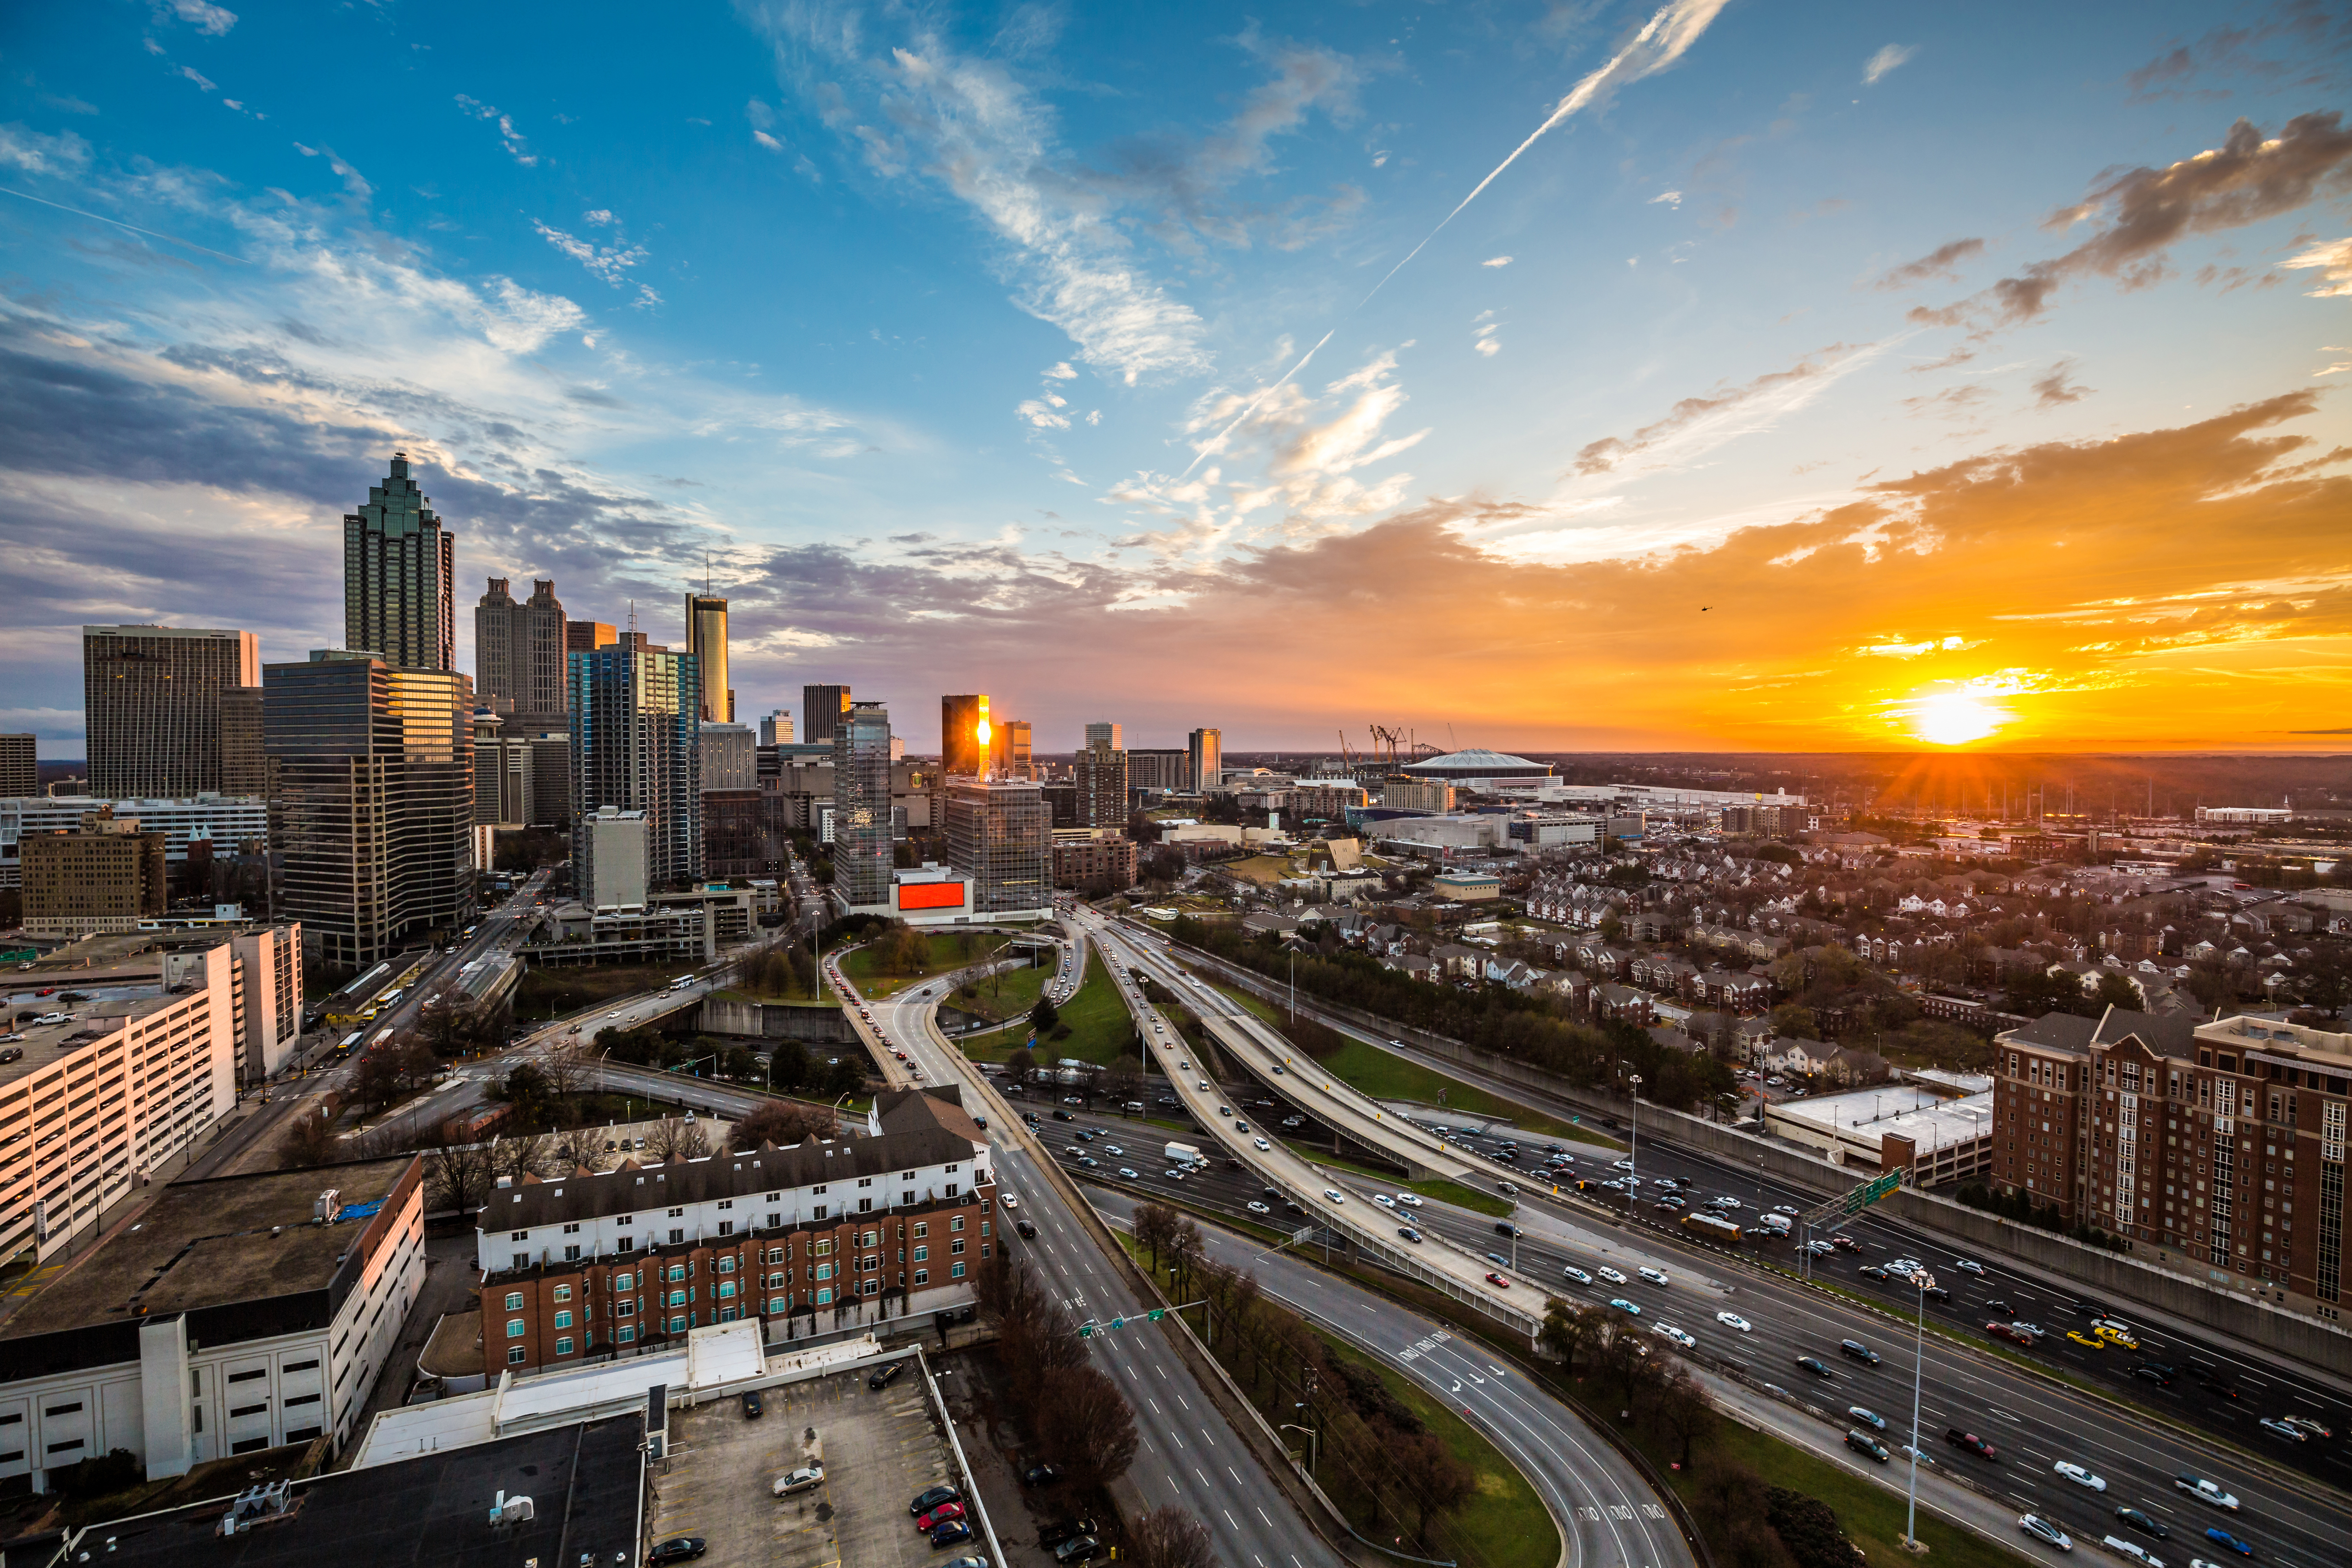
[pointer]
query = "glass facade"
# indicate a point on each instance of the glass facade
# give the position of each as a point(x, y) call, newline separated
point(153, 697)
point(399, 569)
point(706, 639)
point(636, 746)
point(861, 805)
point(1000, 832)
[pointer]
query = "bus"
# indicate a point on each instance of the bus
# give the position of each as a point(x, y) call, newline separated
point(1714, 1227)
point(392, 997)
point(681, 983)
point(350, 1042)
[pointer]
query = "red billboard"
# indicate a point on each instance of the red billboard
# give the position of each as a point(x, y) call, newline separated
point(931, 895)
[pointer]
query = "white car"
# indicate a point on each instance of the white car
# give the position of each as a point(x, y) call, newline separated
point(1579, 1275)
point(2040, 1529)
point(1262, 1144)
point(2206, 1492)
point(1334, 1194)
point(1385, 1201)
point(1009, 1201)
point(1612, 1274)
point(806, 1479)
point(1256, 1207)
point(1128, 1171)
point(1677, 1335)
point(1969, 1266)
point(2079, 1476)
point(1734, 1321)
point(1655, 1275)
point(1204, 1085)
point(1621, 1165)
point(1409, 1200)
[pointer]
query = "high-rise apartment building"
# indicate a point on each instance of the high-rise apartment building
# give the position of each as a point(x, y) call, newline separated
point(586, 636)
point(504, 775)
point(152, 696)
point(20, 770)
point(1102, 779)
point(636, 722)
point(244, 765)
point(1000, 832)
point(371, 802)
point(104, 875)
point(822, 708)
point(400, 576)
point(776, 729)
point(519, 652)
point(730, 757)
point(861, 806)
point(1208, 759)
point(706, 639)
point(1159, 768)
point(1102, 733)
point(965, 737)
point(1012, 745)
point(2216, 1150)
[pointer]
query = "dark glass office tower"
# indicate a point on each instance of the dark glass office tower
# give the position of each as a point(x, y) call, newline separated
point(861, 805)
point(821, 708)
point(371, 802)
point(705, 638)
point(152, 699)
point(999, 832)
point(399, 571)
point(964, 741)
point(637, 729)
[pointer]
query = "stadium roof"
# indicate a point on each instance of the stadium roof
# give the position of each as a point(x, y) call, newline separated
point(1478, 763)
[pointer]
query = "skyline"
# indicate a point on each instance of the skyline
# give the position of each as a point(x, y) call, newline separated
point(1838, 380)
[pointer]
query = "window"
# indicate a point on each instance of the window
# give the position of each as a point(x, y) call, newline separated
point(922, 1276)
point(678, 1272)
point(726, 1289)
point(677, 1298)
point(624, 1281)
point(300, 1399)
point(677, 1236)
point(726, 1227)
point(955, 1271)
point(239, 1412)
point(522, 1261)
point(625, 1308)
point(727, 1266)
point(311, 1365)
point(874, 1286)
point(677, 1325)
point(514, 1300)
point(248, 1374)
point(922, 1255)
point(865, 1205)
point(515, 1328)
point(957, 1222)
point(518, 1236)
point(823, 1271)
point(563, 1319)
point(956, 1246)
point(572, 1229)
point(563, 1345)
point(775, 1306)
point(922, 1228)
point(563, 1293)
point(628, 1334)
point(824, 1298)
point(821, 1247)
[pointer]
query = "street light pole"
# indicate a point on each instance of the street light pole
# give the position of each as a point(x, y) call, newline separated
point(1921, 1282)
point(1633, 1149)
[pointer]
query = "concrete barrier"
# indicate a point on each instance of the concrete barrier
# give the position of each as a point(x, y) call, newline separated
point(774, 1020)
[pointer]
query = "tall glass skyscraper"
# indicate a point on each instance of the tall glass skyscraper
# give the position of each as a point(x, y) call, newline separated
point(964, 750)
point(705, 638)
point(637, 724)
point(1207, 760)
point(399, 571)
point(1000, 832)
point(822, 708)
point(151, 698)
point(861, 805)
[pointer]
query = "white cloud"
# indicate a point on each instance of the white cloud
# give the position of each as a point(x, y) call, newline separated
point(354, 185)
point(62, 154)
point(600, 217)
point(1671, 198)
point(610, 262)
point(1885, 60)
point(2332, 259)
point(523, 319)
point(1485, 341)
point(194, 75)
point(769, 143)
point(516, 147)
point(1062, 372)
point(1040, 415)
point(202, 16)
point(1497, 261)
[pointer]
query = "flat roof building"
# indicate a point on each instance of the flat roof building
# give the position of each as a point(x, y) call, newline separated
point(152, 697)
point(20, 769)
point(240, 1313)
point(1000, 832)
point(101, 875)
point(1894, 1127)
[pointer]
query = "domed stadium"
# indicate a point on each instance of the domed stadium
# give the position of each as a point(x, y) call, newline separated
point(1460, 767)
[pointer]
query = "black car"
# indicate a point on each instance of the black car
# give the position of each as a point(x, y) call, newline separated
point(2141, 1522)
point(1814, 1365)
point(954, 1532)
point(2002, 1307)
point(1857, 1351)
point(1064, 1116)
point(925, 1501)
point(1870, 1271)
point(885, 1376)
point(2217, 1385)
point(1936, 1293)
point(678, 1549)
point(752, 1409)
point(1077, 1549)
point(1040, 1476)
point(1504, 1227)
point(1028, 1232)
point(1066, 1530)
point(2155, 1373)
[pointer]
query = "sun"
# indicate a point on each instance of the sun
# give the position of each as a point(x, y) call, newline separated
point(1955, 717)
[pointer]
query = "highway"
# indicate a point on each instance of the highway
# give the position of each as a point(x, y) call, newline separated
point(2035, 1423)
point(1605, 1509)
point(1190, 1454)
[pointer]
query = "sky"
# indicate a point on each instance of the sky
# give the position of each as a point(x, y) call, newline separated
point(1684, 374)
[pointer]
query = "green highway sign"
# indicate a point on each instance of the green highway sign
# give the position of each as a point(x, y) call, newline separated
point(1090, 1329)
point(1869, 1192)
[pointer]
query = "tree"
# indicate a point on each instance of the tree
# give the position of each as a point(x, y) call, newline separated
point(1021, 1065)
point(1439, 1483)
point(1795, 1021)
point(581, 1146)
point(1807, 1527)
point(784, 1123)
point(527, 1155)
point(788, 1065)
point(2115, 991)
point(1569, 1330)
point(458, 1176)
point(677, 1138)
point(1043, 1015)
point(1168, 1537)
point(309, 1139)
point(1685, 1412)
point(1155, 1228)
point(1086, 1426)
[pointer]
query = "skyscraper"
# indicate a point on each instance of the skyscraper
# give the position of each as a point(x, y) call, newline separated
point(861, 805)
point(399, 573)
point(371, 802)
point(636, 719)
point(20, 770)
point(776, 729)
point(244, 763)
point(705, 638)
point(1207, 747)
point(965, 748)
point(1000, 832)
point(519, 652)
point(1102, 781)
point(821, 708)
point(1012, 747)
point(1102, 733)
point(152, 696)
point(586, 636)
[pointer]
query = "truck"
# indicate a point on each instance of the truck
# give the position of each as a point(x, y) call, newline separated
point(1778, 1224)
point(1714, 1227)
point(1183, 1154)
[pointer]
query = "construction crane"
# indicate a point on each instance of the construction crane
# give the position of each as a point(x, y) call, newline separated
point(1385, 743)
point(1347, 754)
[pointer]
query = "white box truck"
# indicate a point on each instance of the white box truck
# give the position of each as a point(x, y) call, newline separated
point(1183, 1155)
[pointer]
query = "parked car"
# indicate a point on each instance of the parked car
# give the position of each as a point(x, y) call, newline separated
point(1077, 1550)
point(938, 1516)
point(1040, 1476)
point(954, 1532)
point(808, 1477)
point(1054, 1534)
point(927, 1500)
point(753, 1408)
point(884, 1376)
point(678, 1549)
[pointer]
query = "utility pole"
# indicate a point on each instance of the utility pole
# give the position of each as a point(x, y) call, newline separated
point(1921, 1282)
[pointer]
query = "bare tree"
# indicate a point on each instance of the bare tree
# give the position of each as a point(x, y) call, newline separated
point(459, 1176)
point(1685, 1412)
point(1155, 1227)
point(1086, 1426)
point(1569, 1331)
point(580, 1146)
point(1441, 1483)
point(1168, 1537)
point(783, 1122)
point(678, 1139)
point(309, 1139)
point(523, 1154)
point(567, 1067)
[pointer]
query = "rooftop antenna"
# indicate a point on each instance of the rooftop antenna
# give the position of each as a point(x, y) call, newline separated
point(706, 574)
point(633, 618)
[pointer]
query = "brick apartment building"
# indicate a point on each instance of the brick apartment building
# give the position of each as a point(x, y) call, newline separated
point(822, 1235)
point(2213, 1147)
point(1078, 862)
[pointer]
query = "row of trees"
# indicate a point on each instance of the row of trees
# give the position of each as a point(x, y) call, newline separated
point(1380, 1463)
point(1083, 1426)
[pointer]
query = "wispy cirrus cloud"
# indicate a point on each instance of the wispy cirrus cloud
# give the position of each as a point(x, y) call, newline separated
point(1697, 424)
point(1892, 58)
point(1943, 262)
point(2332, 260)
point(611, 263)
point(516, 147)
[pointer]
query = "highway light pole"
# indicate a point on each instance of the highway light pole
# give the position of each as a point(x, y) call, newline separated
point(1634, 1147)
point(1920, 1281)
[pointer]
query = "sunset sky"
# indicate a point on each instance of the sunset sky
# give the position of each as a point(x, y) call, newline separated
point(1714, 375)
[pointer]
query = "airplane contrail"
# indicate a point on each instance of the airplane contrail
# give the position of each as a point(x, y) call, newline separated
point(1672, 30)
point(102, 217)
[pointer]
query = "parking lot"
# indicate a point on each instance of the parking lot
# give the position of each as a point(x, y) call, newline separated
point(878, 1451)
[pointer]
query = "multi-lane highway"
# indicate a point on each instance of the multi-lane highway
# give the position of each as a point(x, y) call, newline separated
point(2043, 1424)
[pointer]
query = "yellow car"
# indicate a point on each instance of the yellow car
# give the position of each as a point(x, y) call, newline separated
point(2117, 1337)
point(2080, 1338)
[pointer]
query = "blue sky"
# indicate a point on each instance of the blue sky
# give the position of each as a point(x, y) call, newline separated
point(972, 344)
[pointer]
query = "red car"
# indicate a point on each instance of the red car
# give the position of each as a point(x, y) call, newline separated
point(938, 1516)
point(1497, 1281)
point(2009, 1332)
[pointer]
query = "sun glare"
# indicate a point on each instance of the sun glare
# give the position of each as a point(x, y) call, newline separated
point(1955, 717)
